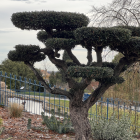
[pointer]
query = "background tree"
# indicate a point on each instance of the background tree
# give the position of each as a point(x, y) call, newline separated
point(119, 12)
point(46, 66)
point(64, 31)
point(20, 70)
point(132, 79)
point(52, 79)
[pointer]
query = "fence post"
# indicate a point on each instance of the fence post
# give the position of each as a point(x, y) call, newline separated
point(0, 89)
point(29, 94)
point(64, 103)
point(101, 106)
point(49, 99)
point(54, 101)
point(118, 108)
point(96, 110)
point(124, 108)
point(107, 108)
point(34, 93)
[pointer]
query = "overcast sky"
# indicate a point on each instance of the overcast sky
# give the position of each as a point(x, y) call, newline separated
point(11, 36)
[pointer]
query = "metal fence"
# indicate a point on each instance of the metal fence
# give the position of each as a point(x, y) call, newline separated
point(37, 102)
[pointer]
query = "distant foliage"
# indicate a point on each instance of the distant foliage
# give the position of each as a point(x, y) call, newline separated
point(20, 70)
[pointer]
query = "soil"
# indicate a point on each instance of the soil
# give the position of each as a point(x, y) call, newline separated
point(16, 128)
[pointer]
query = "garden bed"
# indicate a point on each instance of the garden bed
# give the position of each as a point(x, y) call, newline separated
point(16, 128)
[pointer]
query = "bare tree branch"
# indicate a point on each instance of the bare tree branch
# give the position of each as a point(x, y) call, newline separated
point(119, 12)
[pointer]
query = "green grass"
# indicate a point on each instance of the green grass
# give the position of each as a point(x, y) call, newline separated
point(92, 110)
point(35, 93)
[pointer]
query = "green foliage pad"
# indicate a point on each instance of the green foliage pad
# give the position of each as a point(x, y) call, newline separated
point(49, 19)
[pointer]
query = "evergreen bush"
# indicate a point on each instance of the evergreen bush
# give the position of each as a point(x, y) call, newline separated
point(112, 129)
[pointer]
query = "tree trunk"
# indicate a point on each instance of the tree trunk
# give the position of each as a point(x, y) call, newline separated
point(80, 122)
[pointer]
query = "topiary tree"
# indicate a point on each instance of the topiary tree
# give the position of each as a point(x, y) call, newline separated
point(63, 31)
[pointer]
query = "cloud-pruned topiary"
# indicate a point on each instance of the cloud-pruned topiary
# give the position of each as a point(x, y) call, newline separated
point(49, 19)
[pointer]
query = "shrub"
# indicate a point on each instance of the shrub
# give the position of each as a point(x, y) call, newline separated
point(56, 125)
point(112, 129)
point(15, 110)
point(2, 128)
point(1, 122)
point(29, 124)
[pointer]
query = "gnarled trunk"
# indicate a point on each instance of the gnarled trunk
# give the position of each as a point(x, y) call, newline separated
point(80, 122)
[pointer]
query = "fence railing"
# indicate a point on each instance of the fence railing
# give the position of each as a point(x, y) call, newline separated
point(44, 101)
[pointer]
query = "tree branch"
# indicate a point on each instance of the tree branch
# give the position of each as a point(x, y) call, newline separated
point(99, 56)
point(51, 54)
point(57, 91)
point(96, 94)
point(61, 92)
point(93, 98)
point(89, 55)
point(71, 55)
point(39, 77)
point(59, 63)
point(123, 61)
point(47, 51)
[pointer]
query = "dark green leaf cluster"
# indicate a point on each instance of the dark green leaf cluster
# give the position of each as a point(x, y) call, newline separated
point(49, 19)
point(60, 43)
point(105, 64)
point(66, 57)
point(108, 64)
point(71, 64)
point(64, 34)
point(131, 48)
point(89, 72)
point(43, 36)
point(92, 36)
point(135, 30)
point(26, 53)
point(109, 80)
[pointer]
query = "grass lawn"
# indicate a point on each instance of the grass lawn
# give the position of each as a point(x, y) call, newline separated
point(100, 110)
